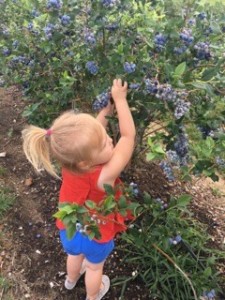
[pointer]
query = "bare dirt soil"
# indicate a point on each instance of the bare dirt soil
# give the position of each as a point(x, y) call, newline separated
point(31, 257)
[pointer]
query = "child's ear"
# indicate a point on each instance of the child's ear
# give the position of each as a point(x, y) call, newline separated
point(83, 165)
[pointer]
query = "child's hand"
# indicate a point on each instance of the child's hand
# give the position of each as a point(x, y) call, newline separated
point(119, 90)
point(109, 108)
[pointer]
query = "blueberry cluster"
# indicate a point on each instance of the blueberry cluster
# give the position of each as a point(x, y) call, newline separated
point(109, 3)
point(180, 50)
point(160, 41)
point(19, 60)
point(81, 228)
point(92, 67)
point(205, 131)
point(129, 67)
point(96, 220)
point(220, 162)
point(35, 13)
point(167, 93)
point(186, 37)
point(101, 101)
point(165, 166)
point(191, 22)
point(65, 20)
point(151, 86)
point(6, 51)
point(66, 43)
point(112, 27)
point(181, 108)
point(202, 15)
point(208, 31)
point(54, 4)
point(89, 38)
point(134, 188)
point(175, 240)
point(162, 203)
point(173, 157)
point(15, 44)
point(30, 26)
point(5, 31)
point(181, 148)
point(134, 86)
point(202, 50)
point(209, 295)
point(48, 30)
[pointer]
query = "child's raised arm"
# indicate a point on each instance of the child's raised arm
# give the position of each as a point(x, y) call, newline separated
point(125, 146)
point(106, 111)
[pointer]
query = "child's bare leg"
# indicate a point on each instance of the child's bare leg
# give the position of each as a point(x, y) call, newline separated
point(93, 279)
point(74, 264)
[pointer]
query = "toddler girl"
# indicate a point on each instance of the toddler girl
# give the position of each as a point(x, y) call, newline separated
point(80, 143)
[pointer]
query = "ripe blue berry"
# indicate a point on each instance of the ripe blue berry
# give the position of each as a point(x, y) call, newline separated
point(48, 30)
point(109, 3)
point(165, 166)
point(129, 67)
point(134, 86)
point(202, 50)
point(186, 36)
point(65, 20)
point(90, 38)
point(202, 15)
point(160, 41)
point(101, 101)
point(181, 108)
point(54, 4)
point(92, 67)
point(6, 51)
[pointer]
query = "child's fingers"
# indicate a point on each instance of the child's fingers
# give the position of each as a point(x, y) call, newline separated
point(119, 81)
point(114, 81)
point(125, 85)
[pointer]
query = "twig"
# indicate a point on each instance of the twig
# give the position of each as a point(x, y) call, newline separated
point(177, 267)
point(13, 258)
point(2, 293)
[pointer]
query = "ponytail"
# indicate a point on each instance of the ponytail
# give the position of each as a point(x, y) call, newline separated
point(36, 147)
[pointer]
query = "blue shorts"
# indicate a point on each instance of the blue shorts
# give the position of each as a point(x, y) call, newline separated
point(80, 244)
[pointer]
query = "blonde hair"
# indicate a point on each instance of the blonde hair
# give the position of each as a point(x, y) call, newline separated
point(71, 141)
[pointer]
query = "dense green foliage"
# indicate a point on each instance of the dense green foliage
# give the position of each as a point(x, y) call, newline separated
point(66, 53)
point(171, 53)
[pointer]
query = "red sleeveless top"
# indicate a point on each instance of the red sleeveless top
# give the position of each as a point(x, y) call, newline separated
point(77, 188)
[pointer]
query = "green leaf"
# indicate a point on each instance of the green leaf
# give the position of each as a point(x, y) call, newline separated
point(60, 214)
point(208, 272)
point(82, 210)
point(91, 235)
point(180, 69)
point(203, 86)
point(120, 49)
point(159, 149)
point(147, 198)
point(70, 231)
point(183, 200)
point(90, 204)
point(209, 74)
point(109, 203)
point(108, 189)
point(151, 156)
point(122, 203)
point(210, 143)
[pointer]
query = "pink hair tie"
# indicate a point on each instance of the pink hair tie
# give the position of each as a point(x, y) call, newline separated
point(48, 132)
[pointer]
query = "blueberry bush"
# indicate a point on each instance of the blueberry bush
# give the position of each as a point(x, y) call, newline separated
point(66, 53)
